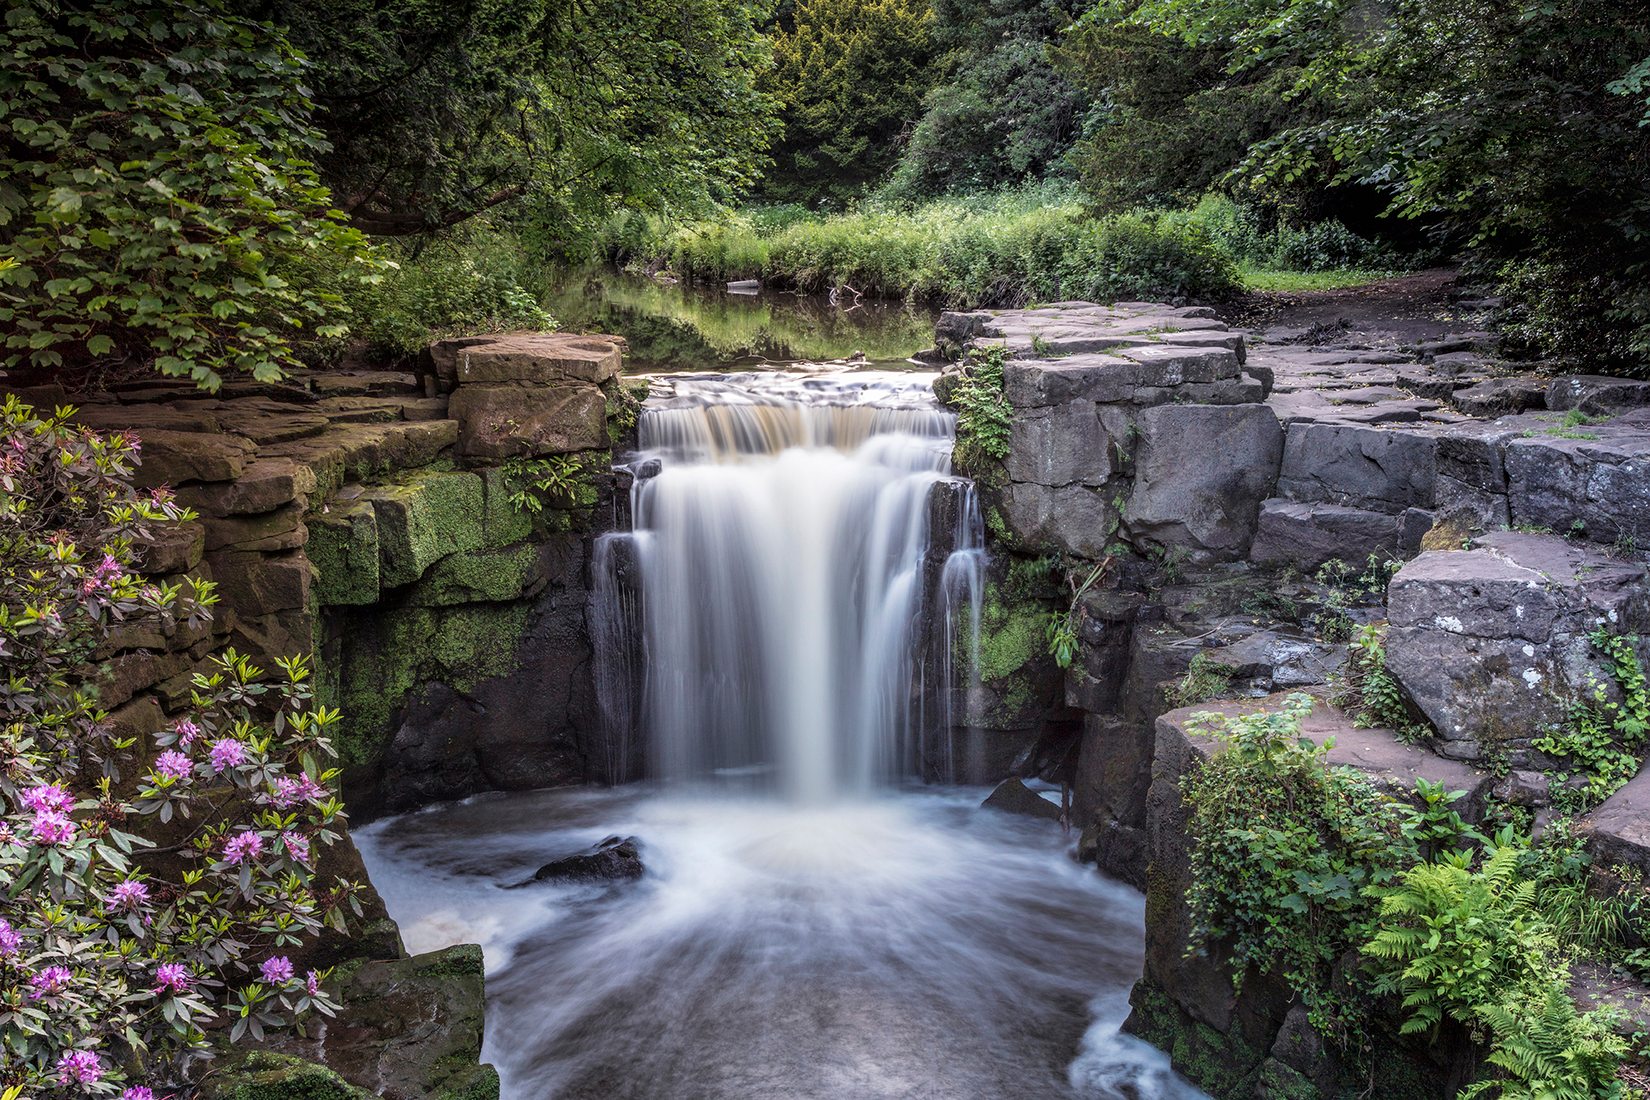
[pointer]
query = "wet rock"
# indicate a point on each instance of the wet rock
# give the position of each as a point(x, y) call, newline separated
point(1308, 534)
point(536, 357)
point(1382, 469)
point(1498, 396)
point(615, 859)
point(1593, 481)
point(1596, 394)
point(505, 421)
point(1014, 797)
point(1061, 444)
point(1077, 519)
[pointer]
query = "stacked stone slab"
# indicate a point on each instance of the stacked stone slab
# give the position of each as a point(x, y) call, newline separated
point(374, 503)
point(1104, 399)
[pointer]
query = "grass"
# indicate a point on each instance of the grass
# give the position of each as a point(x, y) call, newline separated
point(1273, 279)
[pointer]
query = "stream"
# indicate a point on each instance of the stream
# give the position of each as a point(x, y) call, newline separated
point(780, 640)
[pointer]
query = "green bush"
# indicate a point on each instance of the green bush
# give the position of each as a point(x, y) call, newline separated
point(155, 187)
point(474, 279)
point(1005, 250)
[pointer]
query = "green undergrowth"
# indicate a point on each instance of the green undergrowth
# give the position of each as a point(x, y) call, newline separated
point(1601, 742)
point(1376, 905)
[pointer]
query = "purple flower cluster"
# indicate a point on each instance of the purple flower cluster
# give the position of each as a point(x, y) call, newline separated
point(127, 897)
point(276, 970)
point(312, 983)
point(10, 939)
point(79, 1067)
point(291, 790)
point(186, 730)
point(47, 797)
point(243, 845)
point(138, 1092)
point(52, 827)
point(297, 847)
point(173, 764)
point(227, 753)
point(172, 978)
point(49, 982)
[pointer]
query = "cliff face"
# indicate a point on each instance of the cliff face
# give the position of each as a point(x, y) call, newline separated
point(1254, 506)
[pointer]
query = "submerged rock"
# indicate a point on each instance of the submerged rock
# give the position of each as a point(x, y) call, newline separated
point(1014, 797)
point(615, 859)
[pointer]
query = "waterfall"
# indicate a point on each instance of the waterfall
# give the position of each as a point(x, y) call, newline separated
point(776, 631)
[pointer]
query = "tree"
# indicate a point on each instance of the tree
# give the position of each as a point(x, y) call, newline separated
point(439, 110)
point(157, 191)
point(1006, 114)
point(849, 76)
point(1513, 127)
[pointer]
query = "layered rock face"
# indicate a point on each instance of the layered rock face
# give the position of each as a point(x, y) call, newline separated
point(1245, 511)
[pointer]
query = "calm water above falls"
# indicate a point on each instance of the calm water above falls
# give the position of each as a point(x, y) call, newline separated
point(810, 926)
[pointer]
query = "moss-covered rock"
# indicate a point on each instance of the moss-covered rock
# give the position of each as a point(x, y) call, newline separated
point(267, 1075)
point(343, 547)
point(484, 576)
point(425, 518)
point(395, 650)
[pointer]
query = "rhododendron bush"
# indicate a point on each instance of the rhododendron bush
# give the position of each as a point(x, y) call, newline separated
point(152, 894)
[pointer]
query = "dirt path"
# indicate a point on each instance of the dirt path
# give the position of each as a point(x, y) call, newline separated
point(1407, 310)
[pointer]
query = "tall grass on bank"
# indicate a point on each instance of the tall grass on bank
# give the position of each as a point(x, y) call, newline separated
point(1004, 249)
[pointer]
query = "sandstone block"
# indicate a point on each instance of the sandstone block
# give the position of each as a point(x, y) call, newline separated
point(502, 421)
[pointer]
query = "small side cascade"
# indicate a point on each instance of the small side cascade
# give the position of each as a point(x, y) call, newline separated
point(765, 623)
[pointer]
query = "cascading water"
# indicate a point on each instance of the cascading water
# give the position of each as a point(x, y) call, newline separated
point(787, 558)
point(779, 639)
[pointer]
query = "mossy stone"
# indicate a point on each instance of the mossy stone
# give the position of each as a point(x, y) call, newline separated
point(265, 1075)
point(502, 523)
point(343, 547)
point(1011, 633)
point(484, 576)
point(425, 518)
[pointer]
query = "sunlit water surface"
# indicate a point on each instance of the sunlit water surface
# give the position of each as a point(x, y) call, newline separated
point(910, 946)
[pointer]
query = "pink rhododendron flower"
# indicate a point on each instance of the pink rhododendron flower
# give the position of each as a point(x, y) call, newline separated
point(138, 1092)
point(50, 796)
point(10, 939)
point(312, 983)
point(172, 978)
point(297, 846)
point(227, 753)
point(49, 982)
point(52, 827)
point(127, 896)
point(291, 790)
point(173, 764)
point(79, 1067)
point(276, 970)
point(186, 730)
point(243, 845)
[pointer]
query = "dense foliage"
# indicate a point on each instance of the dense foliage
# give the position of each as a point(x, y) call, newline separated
point(1512, 128)
point(849, 76)
point(1004, 114)
point(157, 193)
point(1299, 866)
point(438, 111)
point(1004, 250)
point(155, 894)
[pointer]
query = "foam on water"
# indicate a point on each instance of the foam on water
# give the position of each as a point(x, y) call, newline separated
point(909, 945)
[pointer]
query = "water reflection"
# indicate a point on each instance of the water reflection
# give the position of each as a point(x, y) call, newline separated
point(679, 327)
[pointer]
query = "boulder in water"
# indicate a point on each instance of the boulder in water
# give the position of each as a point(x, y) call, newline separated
point(616, 859)
point(1014, 797)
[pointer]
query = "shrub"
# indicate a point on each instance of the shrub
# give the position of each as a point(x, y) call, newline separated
point(151, 902)
point(156, 181)
point(474, 279)
point(1284, 852)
